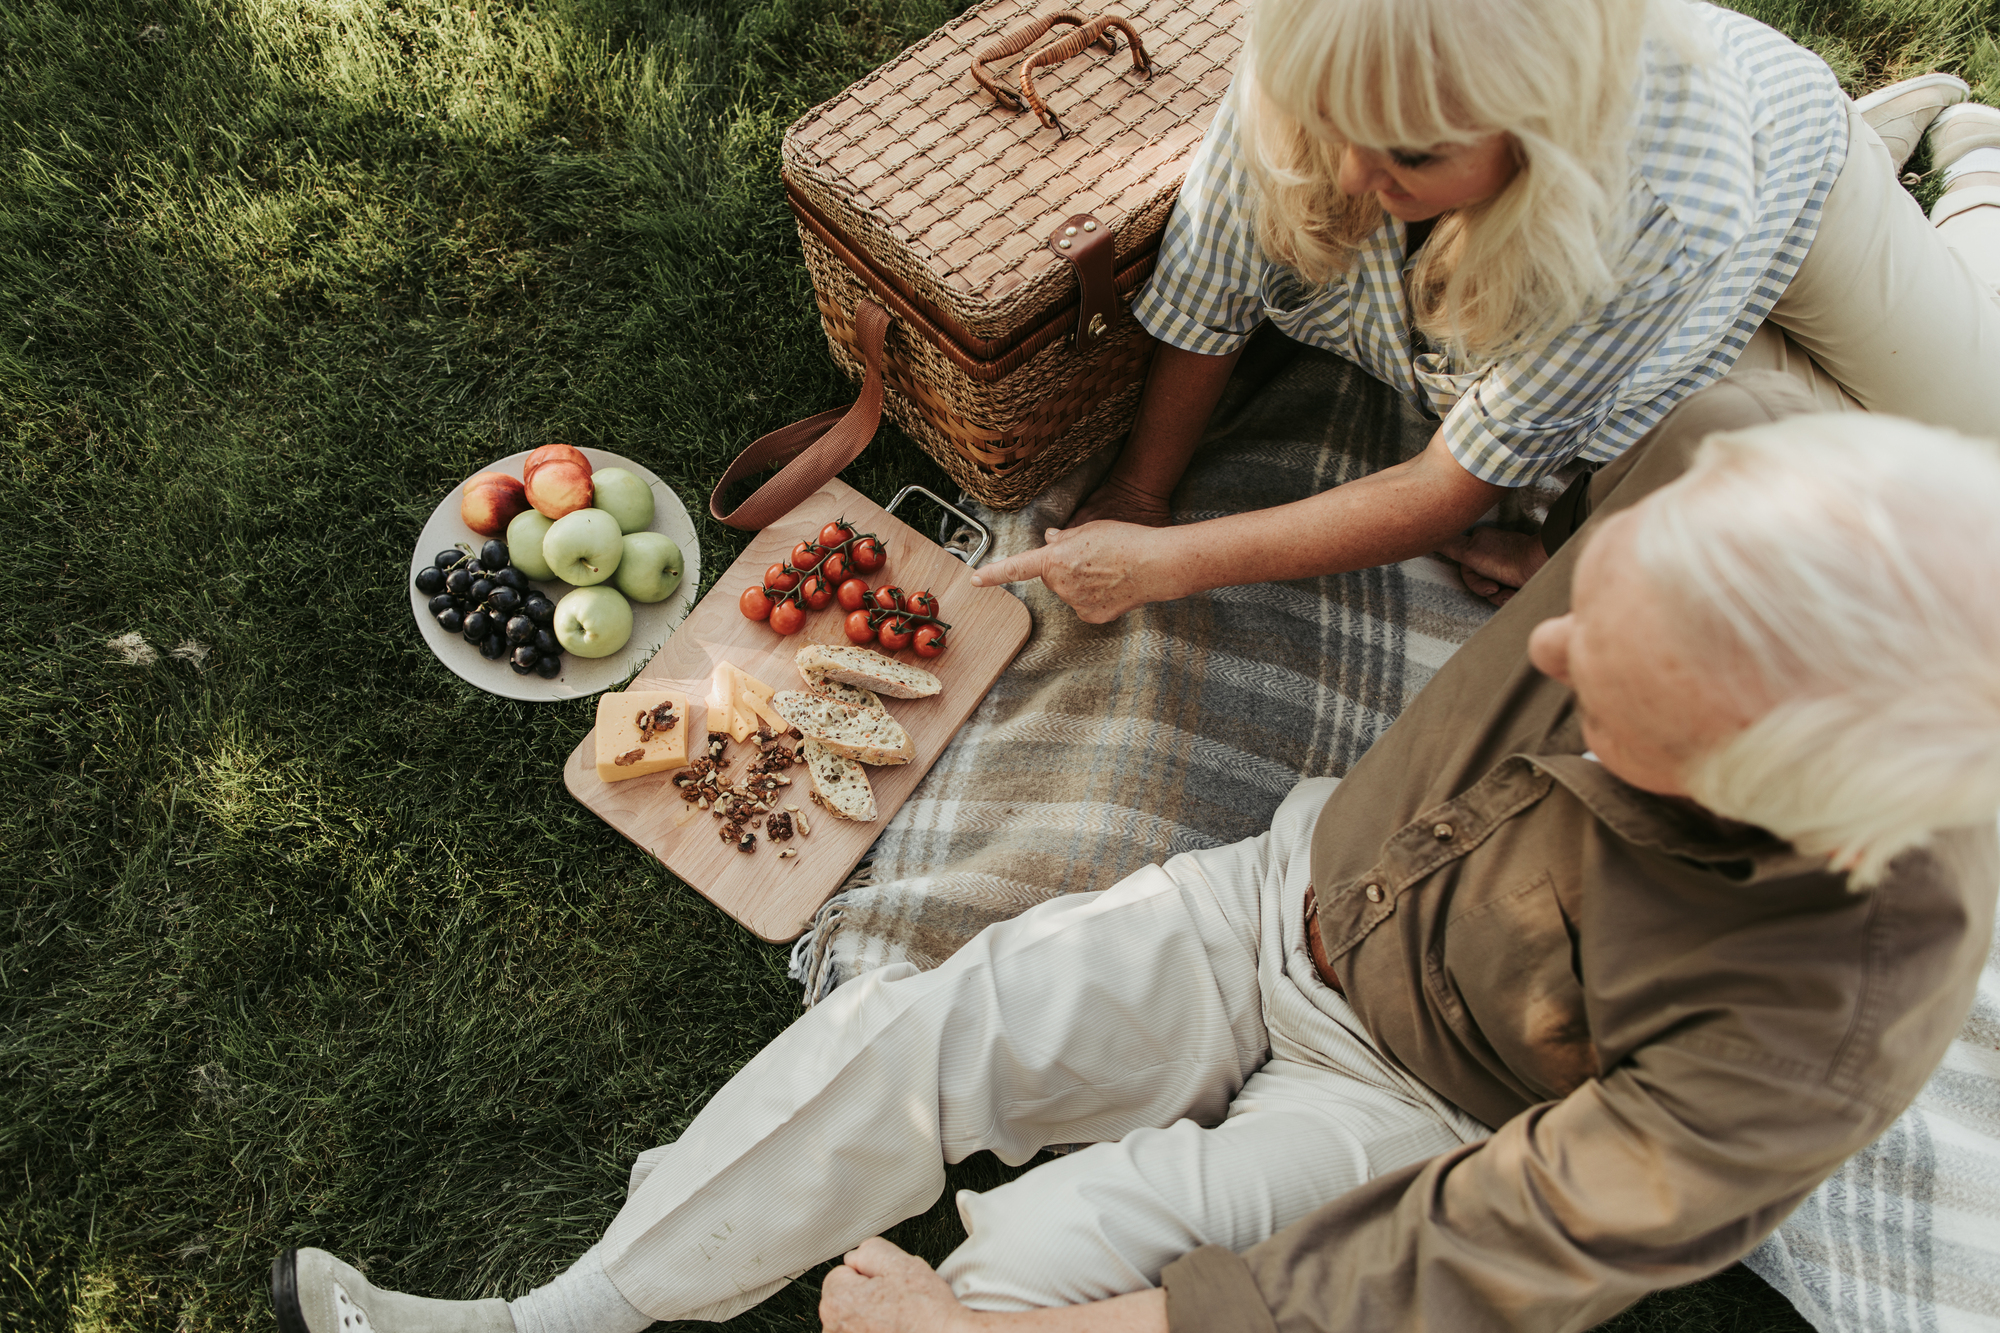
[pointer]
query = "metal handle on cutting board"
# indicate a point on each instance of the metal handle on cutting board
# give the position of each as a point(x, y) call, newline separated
point(985, 535)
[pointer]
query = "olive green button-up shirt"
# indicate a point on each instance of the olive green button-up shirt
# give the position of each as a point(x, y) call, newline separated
point(1678, 1026)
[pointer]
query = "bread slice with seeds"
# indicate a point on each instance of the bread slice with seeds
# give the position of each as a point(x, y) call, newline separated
point(840, 786)
point(841, 692)
point(851, 664)
point(866, 735)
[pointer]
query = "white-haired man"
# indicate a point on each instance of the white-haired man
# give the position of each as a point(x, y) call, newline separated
point(1663, 899)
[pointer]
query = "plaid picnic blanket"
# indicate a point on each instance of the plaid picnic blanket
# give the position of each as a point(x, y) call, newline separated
point(1106, 748)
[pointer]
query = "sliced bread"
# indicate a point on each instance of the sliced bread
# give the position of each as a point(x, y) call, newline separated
point(867, 735)
point(851, 664)
point(851, 695)
point(840, 785)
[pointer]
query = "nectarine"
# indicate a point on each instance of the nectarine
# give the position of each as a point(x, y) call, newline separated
point(490, 502)
point(559, 487)
point(553, 453)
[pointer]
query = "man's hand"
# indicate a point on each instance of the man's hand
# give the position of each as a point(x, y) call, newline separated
point(1101, 569)
point(1120, 501)
point(881, 1289)
point(1493, 562)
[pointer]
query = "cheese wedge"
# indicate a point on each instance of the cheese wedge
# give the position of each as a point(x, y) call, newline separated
point(739, 703)
point(840, 785)
point(862, 734)
point(754, 696)
point(622, 748)
point(853, 665)
point(722, 700)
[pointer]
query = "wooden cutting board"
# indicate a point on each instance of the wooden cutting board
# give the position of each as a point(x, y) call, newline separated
point(775, 897)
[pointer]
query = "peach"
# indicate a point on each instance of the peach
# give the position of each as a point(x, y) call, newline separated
point(553, 453)
point(559, 487)
point(490, 502)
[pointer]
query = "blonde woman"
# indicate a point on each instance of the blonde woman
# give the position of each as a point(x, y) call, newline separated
point(1544, 222)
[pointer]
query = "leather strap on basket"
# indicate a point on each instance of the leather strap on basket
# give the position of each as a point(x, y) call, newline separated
point(1089, 33)
point(812, 450)
point(1087, 244)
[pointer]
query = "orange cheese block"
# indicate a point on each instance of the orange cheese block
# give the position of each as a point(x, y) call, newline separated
point(622, 748)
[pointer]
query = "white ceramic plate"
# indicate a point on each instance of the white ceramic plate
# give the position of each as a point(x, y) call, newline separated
point(581, 676)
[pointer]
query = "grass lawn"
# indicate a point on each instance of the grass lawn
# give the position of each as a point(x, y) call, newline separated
point(303, 940)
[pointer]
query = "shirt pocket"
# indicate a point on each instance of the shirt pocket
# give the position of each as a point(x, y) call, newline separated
point(1504, 972)
point(1317, 316)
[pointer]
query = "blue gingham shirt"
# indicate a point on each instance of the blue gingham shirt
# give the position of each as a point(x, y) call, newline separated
point(1732, 158)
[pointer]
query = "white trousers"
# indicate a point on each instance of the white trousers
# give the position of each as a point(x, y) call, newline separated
point(1893, 311)
point(1173, 1021)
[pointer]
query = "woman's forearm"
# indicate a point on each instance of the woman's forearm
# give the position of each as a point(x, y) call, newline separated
point(1182, 389)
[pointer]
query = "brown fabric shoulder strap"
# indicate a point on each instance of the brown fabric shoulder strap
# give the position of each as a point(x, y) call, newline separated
point(812, 450)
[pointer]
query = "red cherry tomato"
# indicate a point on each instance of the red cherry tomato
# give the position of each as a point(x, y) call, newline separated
point(788, 617)
point(858, 628)
point(833, 534)
point(755, 603)
point(837, 567)
point(779, 579)
point(929, 641)
point(805, 555)
point(868, 555)
point(853, 594)
point(887, 599)
point(923, 603)
point(817, 592)
point(894, 635)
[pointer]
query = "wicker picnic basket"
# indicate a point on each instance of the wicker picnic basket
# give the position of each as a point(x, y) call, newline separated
point(1004, 233)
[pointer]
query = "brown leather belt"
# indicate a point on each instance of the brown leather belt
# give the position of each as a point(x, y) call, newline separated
point(1316, 946)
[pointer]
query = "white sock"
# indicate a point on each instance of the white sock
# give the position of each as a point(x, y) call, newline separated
point(581, 1300)
point(1978, 159)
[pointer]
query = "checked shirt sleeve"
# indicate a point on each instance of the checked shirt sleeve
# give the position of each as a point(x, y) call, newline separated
point(1597, 388)
point(1204, 295)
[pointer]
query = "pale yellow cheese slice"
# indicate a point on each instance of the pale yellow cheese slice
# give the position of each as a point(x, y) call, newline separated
point(722, 700)
point(754, 696)
point(618, 735)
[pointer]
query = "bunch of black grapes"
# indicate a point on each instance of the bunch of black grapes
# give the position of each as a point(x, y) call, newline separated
point(490, 602)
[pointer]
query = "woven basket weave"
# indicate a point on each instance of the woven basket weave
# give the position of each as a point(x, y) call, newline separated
point(917, 189)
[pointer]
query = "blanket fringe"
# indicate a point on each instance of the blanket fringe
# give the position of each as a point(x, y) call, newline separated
point(811, 963)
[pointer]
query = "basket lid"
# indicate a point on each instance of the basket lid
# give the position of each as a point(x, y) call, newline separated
point(956, 193)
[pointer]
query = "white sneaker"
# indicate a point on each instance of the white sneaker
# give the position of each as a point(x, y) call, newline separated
point(313, 1292)
point(1902, 112)
point(1960, 129)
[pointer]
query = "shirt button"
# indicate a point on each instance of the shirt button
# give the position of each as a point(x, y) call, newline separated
point(1373, 893)
point(1442, 832)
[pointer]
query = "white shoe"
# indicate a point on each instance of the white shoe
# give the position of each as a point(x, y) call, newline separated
point(1902, 112)
point(1960, 129)
point(313, 1292)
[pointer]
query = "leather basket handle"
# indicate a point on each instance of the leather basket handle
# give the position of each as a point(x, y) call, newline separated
point(1100, 31)
point(812, 450)
point(1017, 41)
point(1075, 45)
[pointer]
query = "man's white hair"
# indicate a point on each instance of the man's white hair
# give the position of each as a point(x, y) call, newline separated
point(1846, 568)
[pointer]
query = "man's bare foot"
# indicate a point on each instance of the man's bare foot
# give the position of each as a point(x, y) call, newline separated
point(1122, 502)
point(1494, 562)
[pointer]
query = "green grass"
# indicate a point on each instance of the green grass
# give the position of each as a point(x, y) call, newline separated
point(303, 940)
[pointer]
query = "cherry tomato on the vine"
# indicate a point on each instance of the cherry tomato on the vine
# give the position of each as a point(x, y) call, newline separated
point(887, 599)
point(858, 628)
point(894, 635)
point(833, 534)
point(868, 555)
point(755, 603)
point(788, 617)
point(923, 603)
point(817, 592)
point(929, 641)
point(805, 555)
point(779, 579)
point(836, 567)
point(853, 594)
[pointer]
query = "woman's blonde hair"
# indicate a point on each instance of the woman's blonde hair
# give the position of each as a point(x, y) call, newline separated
point(1851, 565)
point(1558, 76)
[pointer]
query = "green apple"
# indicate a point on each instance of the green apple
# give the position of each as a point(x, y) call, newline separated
point(584, 547)
point(650, 569)
point(524, 544)
point(624, 496)
point(593, 622)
